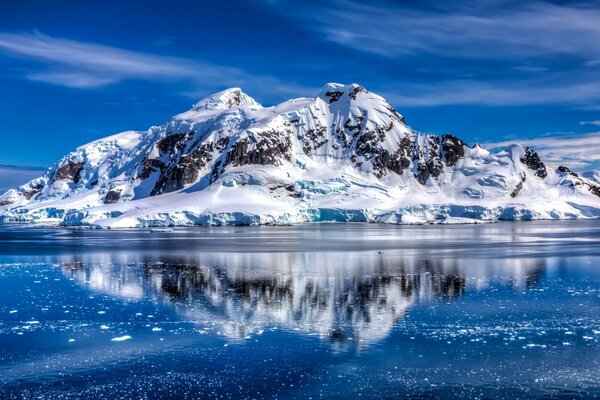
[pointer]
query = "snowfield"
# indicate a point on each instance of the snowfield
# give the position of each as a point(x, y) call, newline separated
point(344, 156)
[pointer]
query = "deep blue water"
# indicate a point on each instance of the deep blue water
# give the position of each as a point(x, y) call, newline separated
point(508, 310)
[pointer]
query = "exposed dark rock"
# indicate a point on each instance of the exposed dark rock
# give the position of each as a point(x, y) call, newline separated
point(434, 160)
point(185, 171)
point(172, 142)
point(112, 196)
point(222, 143)
point(533, 162)
point(356, 91)
point(236, 100)
point(313, 139)
point(422, 173)
point(453, 149)
point(29, 194)
point(333, 95)
point(568, 171)
point(70, 171)
point(594, 189)
point(270, 149)
point(150, 166)
point(517, 190)
point(429, 164)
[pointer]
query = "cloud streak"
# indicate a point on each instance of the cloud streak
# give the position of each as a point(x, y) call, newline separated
point(505, 29)
point(595, 123)
point(486, 52)
point(84, 65)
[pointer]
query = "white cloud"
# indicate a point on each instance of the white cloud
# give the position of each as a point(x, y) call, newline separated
point(87, 65)
point(595, 123)
point(578, 151)
point(553, 89)
point(485, 52)
point(481, 30)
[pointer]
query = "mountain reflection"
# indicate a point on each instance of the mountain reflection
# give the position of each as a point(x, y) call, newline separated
point(349, 299)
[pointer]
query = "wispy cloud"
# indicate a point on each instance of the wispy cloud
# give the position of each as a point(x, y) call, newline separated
point(555, 88)
point(595, 123)
point(84, 65)
point(579, 152)
point(461, 52)
point(504, 29)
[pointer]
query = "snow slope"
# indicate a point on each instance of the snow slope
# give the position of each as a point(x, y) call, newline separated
point(345, 155)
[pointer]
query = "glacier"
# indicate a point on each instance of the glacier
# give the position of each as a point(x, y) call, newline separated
point(344, 156)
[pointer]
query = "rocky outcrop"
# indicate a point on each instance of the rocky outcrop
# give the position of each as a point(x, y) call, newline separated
point(70, 171)
point(112, 196)
point(531, 159)
point(453, 149)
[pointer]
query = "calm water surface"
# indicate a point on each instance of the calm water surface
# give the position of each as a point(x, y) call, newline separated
point(509, 310)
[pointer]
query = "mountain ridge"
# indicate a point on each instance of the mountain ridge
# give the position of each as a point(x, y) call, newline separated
point(345, 155)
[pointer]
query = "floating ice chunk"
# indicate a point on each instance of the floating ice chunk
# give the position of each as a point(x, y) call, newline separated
point(12, 311)
point(104, 326)
point(156, 329)
point(71, 340)
point(121, 338)
point(101, 312)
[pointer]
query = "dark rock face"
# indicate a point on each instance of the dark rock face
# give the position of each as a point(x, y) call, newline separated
point(70, 171)
point(428, 161)
point(149, 166)
point(270, 149)
point(533, 162)
point(434, 159)
point(112, 196)
point(333, 95)
point(517, 190)
point(264, 148)
point(453, 149)
point(172, 142)
point(356, 91)
point(422, 173)
point(594, 189)
point(314, 139)
point(29, 194)
point(568, 171)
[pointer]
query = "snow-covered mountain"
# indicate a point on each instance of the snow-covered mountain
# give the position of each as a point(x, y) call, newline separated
point(345, 155)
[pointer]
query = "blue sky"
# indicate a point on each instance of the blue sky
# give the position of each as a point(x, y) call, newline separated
point(487, 71)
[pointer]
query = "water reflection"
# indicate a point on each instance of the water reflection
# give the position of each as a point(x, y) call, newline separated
point(349, 299)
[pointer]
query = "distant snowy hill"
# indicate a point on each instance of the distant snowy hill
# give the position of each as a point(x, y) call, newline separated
point(345, 155)
point(12, 176)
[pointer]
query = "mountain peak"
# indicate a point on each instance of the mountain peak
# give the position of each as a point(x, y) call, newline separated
point(345, 156)
point(332, 91)
point(225, 99)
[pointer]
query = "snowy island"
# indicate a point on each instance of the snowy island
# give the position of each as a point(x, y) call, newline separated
point(344, 156)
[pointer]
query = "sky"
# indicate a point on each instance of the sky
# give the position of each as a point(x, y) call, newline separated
point(493, 72)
